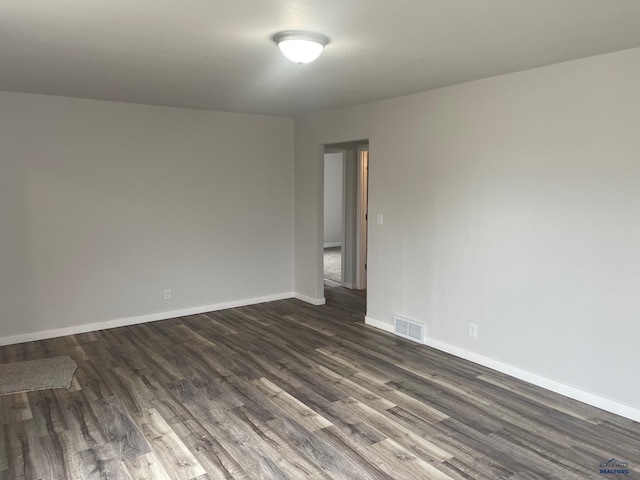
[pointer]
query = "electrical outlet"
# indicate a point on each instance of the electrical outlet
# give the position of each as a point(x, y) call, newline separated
point(473, 330)
point(167, 294)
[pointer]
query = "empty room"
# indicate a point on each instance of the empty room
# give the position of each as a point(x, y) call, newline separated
point(177, 301)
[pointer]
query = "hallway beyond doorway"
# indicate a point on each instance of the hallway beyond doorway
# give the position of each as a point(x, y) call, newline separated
point(333, 265)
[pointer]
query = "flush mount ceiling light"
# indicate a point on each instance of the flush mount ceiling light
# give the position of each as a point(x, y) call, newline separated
point(299, 46)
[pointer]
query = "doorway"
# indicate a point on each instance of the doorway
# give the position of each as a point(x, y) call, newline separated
point(334, 192)
point(346, 167)
point(363, 216)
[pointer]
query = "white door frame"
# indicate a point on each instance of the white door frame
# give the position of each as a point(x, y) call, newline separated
point(362, 215)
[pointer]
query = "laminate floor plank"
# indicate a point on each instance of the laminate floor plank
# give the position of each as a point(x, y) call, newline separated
point(573, 429)
point(332, 461)
point(247, 450)
point(399, 461)
point(348, 424)
point(289, 461)
point(91, 381)
point(417, 444)
point(473, 468)
point(308, 387)
point(198, 366)
point(101, 463)
point(288, 390)
point(452, 446)
point(416, 407)
point(295, 409)
point(311, 322)
point(17, 352)
point(356, 365)
point(4, 462)
point(80, 419)
point(53, 462)
point(33, 456)
point(544, 448)
point(217, 322)
point(209, 452)
point(73, 464)
point(169, 452)
point(451, 404)
point(554, 403)
point(363, 456)
point(348, 388)
point(513, 455)
point(48, 418)
point(15, 408)
point(161, 396)
point(146, 467)
point(124, 437)
point(191, 336)
point(162, 367)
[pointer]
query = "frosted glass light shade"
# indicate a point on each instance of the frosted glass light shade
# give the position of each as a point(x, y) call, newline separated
point(301, 51)
point(300, 47)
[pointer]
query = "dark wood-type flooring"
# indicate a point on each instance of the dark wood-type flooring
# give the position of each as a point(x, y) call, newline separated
point(287, 390)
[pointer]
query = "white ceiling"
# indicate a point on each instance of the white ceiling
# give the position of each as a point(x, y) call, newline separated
point(218, 54)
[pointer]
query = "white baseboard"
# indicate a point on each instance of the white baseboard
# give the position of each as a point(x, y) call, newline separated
point(387, 327)
point(332, 244)
point(123, 322)
point(311, 300)
point(350, 286)
point(583, 396)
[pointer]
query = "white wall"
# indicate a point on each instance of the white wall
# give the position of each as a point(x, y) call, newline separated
point(333, 176)
point(105, 205)
point(512, 202)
